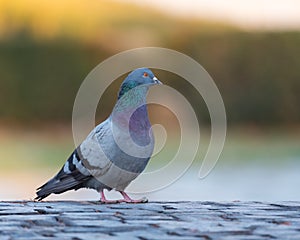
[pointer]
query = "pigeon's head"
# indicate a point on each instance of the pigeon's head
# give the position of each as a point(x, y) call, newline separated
point(138, 77)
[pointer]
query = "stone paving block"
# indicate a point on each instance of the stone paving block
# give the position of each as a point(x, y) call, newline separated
point(156, 220)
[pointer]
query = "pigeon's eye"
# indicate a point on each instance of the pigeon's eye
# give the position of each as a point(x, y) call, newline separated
point(145, 74)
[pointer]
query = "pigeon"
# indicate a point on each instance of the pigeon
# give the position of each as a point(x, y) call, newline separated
point(116, 151)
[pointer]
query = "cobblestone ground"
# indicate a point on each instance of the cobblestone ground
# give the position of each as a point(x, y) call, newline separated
point(155, 220)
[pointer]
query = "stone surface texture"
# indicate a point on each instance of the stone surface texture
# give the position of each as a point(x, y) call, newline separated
point(154, 220)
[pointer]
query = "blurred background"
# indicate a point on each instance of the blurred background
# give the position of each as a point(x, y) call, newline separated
point(250, 48)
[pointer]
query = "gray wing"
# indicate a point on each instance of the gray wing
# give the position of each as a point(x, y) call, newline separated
point(86, 162)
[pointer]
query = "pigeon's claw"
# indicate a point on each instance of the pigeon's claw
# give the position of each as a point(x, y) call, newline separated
point(127, 199)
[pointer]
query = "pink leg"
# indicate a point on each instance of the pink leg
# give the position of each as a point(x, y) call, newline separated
point(104, 200)
point(127, 199)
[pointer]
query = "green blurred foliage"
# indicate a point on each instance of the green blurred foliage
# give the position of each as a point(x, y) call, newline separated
point(258, 73)
point(39, 80)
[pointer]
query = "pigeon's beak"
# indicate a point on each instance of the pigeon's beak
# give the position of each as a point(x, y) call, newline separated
point(156, 81)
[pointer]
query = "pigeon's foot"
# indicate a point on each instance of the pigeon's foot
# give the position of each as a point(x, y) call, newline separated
point(106, 201)
point(127, 199)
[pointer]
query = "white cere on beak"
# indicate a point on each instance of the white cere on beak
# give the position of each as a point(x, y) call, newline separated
point(156, 80)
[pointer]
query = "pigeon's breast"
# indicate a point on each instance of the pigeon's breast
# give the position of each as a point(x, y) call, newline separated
point(123, 150)
point(128, 159)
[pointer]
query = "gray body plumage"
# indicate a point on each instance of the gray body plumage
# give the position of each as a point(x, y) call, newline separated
point(116, 151)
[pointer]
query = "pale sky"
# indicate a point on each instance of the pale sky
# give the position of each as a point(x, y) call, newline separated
point(262, 14)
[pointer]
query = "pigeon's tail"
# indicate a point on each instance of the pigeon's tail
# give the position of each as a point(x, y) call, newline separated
point(59, 184)
point(55, 186)
point(45, 190)
point(68, 178)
